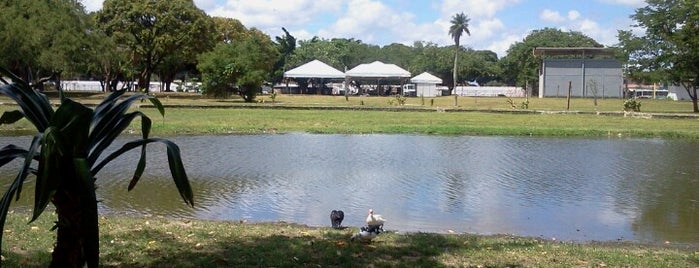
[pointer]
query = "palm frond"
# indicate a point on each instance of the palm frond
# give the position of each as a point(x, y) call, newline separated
point(16, 187)
point(11, 152)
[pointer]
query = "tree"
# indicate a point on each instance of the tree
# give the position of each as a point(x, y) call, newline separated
point(68, 149)
point(156, 30)
point(285, 45)
point(240, 66)
point(39, 38)
point(106, 60)
point(434, 59)
point(228, 29)
point(670, 47)
point(520, 67)
point(459, 25)
point(339, 53)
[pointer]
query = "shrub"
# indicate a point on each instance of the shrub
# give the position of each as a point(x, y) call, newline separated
point(632, 105)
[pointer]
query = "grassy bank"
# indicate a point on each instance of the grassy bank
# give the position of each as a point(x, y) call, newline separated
point(158, 242)
point(488, 116)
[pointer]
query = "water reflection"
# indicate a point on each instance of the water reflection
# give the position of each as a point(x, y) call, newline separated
point(573, 189)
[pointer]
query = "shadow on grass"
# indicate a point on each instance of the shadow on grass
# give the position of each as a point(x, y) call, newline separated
point(324, 248)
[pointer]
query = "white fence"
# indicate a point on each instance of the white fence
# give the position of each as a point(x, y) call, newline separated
point(474, 91)
point(79, 85)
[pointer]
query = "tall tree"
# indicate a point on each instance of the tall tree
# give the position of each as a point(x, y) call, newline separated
point(286, 45)
point(155, 30)
point(228, 29)
point(38, 38)
point(459, 25)
point(240, 66)
point(106, 60)
point(670, 46)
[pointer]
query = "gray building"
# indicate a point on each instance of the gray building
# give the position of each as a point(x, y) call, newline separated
point(588, 73)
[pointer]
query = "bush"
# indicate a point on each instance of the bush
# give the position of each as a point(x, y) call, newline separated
point(632, 105)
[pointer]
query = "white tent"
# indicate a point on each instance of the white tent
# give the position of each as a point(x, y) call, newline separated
point(378, 69)
point(426, 85)
point(314, 69)
point(426, 78)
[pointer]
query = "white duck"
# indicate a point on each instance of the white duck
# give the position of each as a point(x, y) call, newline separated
point(374, 220)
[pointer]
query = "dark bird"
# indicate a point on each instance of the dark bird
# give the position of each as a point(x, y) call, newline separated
point(336, 217)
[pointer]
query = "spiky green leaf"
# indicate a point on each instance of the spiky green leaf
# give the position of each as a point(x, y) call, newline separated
point(145, 128)
point(10, 117)
point(16, 186)
point(11, 152)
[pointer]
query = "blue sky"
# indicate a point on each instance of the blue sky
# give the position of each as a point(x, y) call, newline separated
point(495, 24)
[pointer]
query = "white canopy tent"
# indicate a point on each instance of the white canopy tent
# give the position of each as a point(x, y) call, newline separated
point(426, 84)
point(378, 69)
point(426, 78)
point(314, 69)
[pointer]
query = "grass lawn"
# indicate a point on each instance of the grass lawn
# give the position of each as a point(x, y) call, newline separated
point(159, 242)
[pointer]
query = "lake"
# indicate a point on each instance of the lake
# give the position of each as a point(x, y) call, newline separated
point(573, 189)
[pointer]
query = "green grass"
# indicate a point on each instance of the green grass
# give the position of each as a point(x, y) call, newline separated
point(474, 116)
point(160, 242)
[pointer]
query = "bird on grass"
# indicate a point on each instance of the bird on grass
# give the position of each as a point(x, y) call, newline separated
point(374, 228)
point(374, 220)
point(336, 217)
point(366, 234)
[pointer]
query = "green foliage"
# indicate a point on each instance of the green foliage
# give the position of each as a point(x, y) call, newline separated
point(239, 67)
point(68, 147)
point(285, 45)
point(40, 37)
point(668, 50)
point(339, 53)
point(632, 105)
point(397, 100)
point(157, 32)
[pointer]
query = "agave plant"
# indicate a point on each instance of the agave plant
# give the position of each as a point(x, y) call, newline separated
point(65, 155)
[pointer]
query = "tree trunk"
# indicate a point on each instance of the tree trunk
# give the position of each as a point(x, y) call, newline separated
point(694, 100)
point(144, 80)
point(456, 57)
point(77, 238)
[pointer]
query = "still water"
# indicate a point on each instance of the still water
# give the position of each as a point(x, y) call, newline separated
point(569, 189)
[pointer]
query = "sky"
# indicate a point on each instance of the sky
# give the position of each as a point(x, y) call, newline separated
point(494, 24)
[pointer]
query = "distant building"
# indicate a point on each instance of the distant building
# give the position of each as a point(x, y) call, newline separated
point(588, 72)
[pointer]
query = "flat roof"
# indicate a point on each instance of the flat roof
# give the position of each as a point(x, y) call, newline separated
point(561, 51)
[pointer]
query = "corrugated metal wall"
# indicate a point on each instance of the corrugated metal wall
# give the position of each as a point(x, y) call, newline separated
point(589, 78)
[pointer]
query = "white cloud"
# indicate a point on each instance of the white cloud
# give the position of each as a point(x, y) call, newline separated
point(475, 8)
point(575, 21)
point(551, 16)
point(573, 15)
point(369, 21)
point(631, 3)
point(270, 15)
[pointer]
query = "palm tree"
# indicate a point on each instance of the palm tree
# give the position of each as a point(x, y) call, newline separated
point(68, 151)
point(459, 25)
